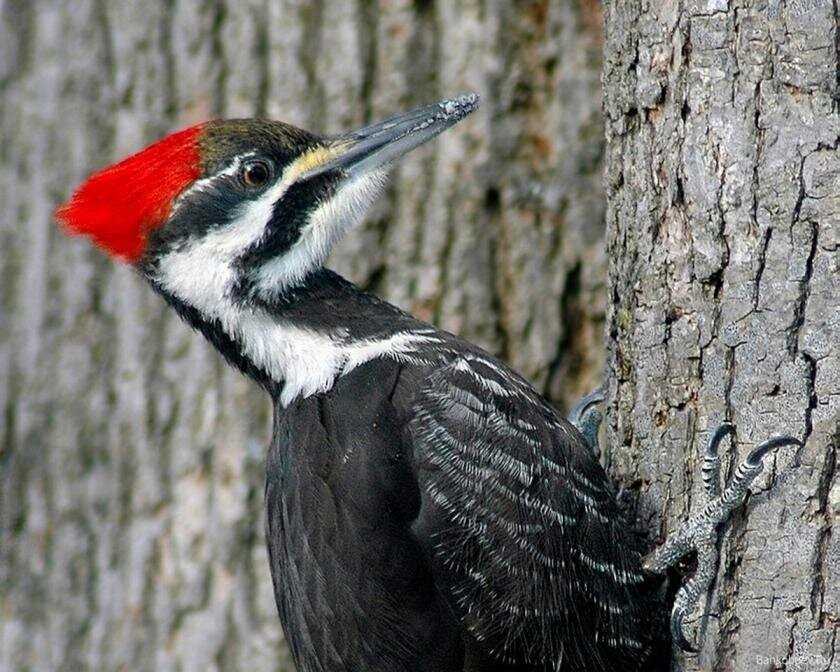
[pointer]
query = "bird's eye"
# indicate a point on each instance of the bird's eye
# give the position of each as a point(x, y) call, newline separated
point(256, 174)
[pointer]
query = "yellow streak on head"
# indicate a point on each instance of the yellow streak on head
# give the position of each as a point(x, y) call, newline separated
point(315, 158)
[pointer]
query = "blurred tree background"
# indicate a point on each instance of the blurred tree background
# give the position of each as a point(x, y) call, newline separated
point(131, 457)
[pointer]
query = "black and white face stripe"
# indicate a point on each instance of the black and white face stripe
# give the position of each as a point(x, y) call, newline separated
point(222, 241)
point(209, 203)
point(216, 268)
point(212, 225)
point(306, 223)
point(235, 248)
point(289, 217)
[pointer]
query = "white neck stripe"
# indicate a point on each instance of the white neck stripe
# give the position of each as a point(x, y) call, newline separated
point(202, 272)
point(308, 362)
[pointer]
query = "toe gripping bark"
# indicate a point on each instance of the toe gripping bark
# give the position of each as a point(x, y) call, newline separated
point(586, 416)
point(699, 533)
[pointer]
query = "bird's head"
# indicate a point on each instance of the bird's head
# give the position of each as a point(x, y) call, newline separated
point(238, 208)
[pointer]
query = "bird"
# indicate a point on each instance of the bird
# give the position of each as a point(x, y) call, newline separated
point(427, 509)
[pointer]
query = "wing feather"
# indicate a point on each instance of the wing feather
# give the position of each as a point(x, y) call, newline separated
point(522, 526)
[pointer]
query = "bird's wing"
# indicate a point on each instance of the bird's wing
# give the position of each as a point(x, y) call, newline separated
point(521, 524)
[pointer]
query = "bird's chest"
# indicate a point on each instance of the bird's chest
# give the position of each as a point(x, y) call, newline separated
point(352, 586)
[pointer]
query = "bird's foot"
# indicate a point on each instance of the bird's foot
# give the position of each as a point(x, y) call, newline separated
point(586, 415)
point(699, 533)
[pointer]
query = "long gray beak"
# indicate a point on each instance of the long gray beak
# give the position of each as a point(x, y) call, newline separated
point(374, 146)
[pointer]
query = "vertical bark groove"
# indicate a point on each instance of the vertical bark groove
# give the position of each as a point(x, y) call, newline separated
point(722, 137)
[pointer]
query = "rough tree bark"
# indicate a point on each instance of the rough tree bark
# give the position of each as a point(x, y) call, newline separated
point(723, 219)
point(130, 457)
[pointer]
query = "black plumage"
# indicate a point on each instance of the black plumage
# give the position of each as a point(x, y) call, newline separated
point(428, 510)
point(433, 512)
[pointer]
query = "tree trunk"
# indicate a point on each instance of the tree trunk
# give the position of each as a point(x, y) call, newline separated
point(723, 220)
point(131, 458)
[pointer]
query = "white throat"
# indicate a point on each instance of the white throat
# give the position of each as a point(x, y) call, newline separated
point(326, 226)
point(202, 273)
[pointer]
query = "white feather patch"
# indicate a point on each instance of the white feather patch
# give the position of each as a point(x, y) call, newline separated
point(201, 273)
point(327, 224)
point(209, 183)
point(309, 362)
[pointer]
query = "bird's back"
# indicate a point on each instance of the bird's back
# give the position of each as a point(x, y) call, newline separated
point(522, 527)
point(432, 512)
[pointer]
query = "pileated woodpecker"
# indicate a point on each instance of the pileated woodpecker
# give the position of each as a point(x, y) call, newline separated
point(427, 508)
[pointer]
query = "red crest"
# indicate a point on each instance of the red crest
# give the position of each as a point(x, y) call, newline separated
point(118, 206)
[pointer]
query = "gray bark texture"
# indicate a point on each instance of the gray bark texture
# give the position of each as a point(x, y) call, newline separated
point(723, 239)
point(131, 457)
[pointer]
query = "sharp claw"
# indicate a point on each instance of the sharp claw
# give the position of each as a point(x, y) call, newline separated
point(756, 456)
point(580, 409)
point(724, 429)
point(586, 416)
point(589, 428)
point(698, 532)
point(711, 461)
point(677, 634)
